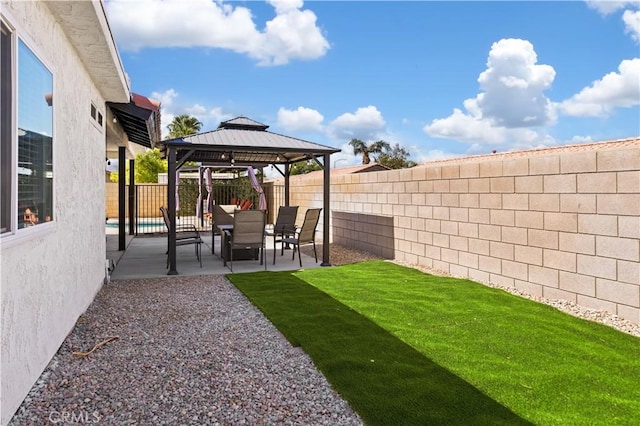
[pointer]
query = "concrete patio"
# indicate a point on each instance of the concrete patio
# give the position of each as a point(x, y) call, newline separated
point(145, 257)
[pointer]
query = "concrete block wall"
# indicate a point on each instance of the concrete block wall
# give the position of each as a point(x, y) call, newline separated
point(151, 196)
point(365, 232)
point(111, 200)
point(560, 223)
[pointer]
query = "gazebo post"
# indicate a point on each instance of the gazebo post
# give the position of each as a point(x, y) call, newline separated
point(122, 182)
point(326, 193)
point(201, 206)
point(287, 174)
point(132, 197)
point(171, 205)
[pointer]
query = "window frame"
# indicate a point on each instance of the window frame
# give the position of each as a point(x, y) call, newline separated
point(13, 190)
point(17, 235)
point(96, 117)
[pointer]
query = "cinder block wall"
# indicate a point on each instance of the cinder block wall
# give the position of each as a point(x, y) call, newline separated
point(561, 223)
point(111, 202)
point(151, 196)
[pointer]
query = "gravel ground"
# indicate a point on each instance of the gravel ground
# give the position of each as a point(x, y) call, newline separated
point(191, 350)
point(340, 255)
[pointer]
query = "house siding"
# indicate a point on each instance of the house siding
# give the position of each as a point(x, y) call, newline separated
point(50, 278)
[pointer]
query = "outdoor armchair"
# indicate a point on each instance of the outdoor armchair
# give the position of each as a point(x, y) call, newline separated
point(185, 235)
point(306, 234)
point(221, 215)
point(285, 226)
point(247, 233)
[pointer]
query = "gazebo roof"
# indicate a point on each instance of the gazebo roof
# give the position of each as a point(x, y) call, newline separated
point(243, 123)
point(246, 142)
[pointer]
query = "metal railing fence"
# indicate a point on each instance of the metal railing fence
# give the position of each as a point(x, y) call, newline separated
point(150, 197)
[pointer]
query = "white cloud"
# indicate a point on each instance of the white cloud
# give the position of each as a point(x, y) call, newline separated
point(631, 21)
point(614, 90)
point(166, 102)
point(630, 17)
point(477, 131)
point(218, 116)
point(291, 34)
point(512, 102)
point(284, 6)
point(345, 158)
point(514, 86)
point(301, 119)
point(209, 117)
point(366, 124)
point(579, 139)
point(166, 98)
point(196, 110)
point(606, 7)
point(432, 155)
point(466, 128)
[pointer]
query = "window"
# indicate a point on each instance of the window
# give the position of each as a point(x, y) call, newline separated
point(27, 136)
point(96, 116)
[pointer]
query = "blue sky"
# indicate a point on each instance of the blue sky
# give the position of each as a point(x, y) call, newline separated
point(442, 79)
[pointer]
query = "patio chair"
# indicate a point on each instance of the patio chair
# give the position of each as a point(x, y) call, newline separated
point(185, 235)
point(306, 234)
point(285, 226)
point(221, 216)
point(247, 233)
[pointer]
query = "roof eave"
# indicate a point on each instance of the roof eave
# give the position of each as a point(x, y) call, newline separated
point(141, 125)
point(87, 28)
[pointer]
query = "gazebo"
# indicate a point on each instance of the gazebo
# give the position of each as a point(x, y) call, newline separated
point(242, 141)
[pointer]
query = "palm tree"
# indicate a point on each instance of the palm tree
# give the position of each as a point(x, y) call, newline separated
point(360, 147)
point(183, 125)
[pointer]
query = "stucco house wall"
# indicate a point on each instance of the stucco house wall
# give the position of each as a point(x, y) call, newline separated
point(50, 276)
point(559, 223)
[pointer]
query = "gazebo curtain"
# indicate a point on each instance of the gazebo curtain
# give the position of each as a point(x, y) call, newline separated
point(256, 185)
point(209, 187)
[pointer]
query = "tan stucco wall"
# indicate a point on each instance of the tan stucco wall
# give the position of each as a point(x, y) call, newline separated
point(51, 273)
point(561, 224)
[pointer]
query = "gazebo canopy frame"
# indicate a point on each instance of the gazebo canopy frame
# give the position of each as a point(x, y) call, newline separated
point(244, 142)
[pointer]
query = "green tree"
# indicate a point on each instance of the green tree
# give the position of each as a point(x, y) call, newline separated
point(360, 147)
point(396, 157)
point(183, 125)
point(304, 167)
point(147, 166)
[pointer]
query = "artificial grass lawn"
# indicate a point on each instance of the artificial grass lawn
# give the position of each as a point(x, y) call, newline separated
point(404, 347)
